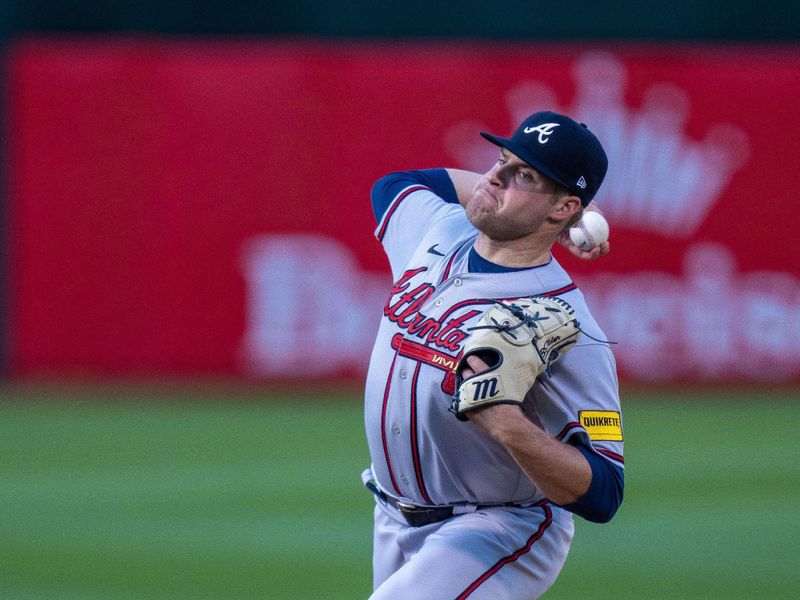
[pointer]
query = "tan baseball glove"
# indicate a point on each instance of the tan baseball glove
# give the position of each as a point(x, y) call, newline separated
point(518, 340)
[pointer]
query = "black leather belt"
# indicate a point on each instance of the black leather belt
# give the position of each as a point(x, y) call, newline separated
point(417, 516)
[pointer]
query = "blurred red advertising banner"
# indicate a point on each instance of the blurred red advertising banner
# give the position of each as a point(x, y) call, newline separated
point(199, 207)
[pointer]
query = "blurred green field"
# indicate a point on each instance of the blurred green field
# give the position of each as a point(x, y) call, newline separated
point(235, 494)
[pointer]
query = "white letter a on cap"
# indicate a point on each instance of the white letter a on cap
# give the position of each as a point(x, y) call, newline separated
point(544, 130)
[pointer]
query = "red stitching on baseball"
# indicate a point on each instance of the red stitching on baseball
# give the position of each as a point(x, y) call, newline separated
point(585, 230)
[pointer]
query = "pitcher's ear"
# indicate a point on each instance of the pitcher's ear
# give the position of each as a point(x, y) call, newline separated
point(566, 208)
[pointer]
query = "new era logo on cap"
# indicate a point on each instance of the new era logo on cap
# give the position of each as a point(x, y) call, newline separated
point(575, 159)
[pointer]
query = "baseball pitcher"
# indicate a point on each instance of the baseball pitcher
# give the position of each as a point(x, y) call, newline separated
point(492, 410)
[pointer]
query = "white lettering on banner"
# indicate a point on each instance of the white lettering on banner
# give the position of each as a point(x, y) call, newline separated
point(713, 324)
point(310, 310)
point(660, 180)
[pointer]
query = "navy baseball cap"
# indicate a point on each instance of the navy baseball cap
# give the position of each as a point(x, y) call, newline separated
point(561, 149)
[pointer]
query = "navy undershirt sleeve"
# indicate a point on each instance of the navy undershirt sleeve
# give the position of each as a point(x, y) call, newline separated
point(389, 186)
point(601, 501)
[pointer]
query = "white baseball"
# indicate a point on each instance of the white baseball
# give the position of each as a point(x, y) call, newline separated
point(591, 231)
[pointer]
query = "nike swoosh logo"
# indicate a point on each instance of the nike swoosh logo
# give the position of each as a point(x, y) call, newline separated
point(433, 250)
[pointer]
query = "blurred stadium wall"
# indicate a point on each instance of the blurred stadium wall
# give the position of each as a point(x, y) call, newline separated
point(186, 185)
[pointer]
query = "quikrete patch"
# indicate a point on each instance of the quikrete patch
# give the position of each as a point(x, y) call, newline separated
point(601, 425)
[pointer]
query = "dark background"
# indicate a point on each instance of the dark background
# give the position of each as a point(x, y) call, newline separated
point(514, 19)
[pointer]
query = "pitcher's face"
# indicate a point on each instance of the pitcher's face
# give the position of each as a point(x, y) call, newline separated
point(512, 200)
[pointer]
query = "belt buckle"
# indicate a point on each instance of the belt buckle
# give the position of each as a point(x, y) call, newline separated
point(406, 508)
point(416, 516)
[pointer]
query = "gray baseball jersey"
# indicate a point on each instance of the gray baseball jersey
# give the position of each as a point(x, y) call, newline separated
point(421, 454)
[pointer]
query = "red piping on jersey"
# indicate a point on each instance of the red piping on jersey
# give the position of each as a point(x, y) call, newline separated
point(383, 426)
point(414, 441)
point(611, 455)
point(446, 273)
point(512, 557)
point(567, 288)
point(463, 303)
point(395, 203)
point(568, 428)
